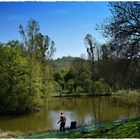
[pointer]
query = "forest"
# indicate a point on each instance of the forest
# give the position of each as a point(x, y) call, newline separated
point(29, 74)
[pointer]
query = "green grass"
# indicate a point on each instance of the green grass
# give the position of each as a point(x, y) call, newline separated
point(127, 128)
point(123, 130)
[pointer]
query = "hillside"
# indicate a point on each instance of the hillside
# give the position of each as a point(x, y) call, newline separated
point(65, 61)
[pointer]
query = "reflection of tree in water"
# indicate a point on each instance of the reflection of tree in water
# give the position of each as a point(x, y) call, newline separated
point(82, 113)
point(82, 110)
point(97, 107)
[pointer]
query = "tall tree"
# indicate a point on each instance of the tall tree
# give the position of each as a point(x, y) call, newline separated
point(123, 30)
point(29, 36)
point(93, 50)
point(44, 52)
point(90, 50)
point(44, 47)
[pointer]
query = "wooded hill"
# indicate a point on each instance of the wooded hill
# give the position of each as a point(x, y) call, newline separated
point(65, 61)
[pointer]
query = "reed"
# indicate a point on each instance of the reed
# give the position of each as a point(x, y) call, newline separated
point(128, 98)
point(10, 134)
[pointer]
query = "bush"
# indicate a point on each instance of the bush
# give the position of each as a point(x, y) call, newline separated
point(100, 87)
point(51, 88)
point(87, 85)
point(79, 89)
point(70, 86)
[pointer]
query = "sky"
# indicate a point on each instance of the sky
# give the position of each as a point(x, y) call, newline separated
point(66, 23)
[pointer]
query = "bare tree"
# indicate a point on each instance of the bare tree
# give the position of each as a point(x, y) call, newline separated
point(123, 28)
point(123, 31)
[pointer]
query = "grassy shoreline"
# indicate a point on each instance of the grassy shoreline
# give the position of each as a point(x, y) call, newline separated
point(127, 98)
point(123, 130)
point(127, 128)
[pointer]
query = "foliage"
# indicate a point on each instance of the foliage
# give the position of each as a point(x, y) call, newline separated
point(26, 76)
point(100, 87)
point(78, 78)
point(63, 62)
point(122, 30)
point(90, 50)
point(79, 89)
point(28, 73)
point(14, 87)
point(51, 88)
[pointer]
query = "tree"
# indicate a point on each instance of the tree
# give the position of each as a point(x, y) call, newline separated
point(90, 50)
point(107, 67)
point(14, 81)
point(39, 46)
point(78, 76)
point(44, 47)
point(29, 36)
point(123, 28)
point(51, 51)
point(123, 31)
point(23, 70)
point(93, 56)
point(59, 77)
point(44, 51)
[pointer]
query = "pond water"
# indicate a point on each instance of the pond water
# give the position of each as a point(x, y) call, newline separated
point(85, 111)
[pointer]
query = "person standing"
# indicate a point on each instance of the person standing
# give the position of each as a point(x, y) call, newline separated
point(62, 122)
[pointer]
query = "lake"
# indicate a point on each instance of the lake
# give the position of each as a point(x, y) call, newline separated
point(83, 110)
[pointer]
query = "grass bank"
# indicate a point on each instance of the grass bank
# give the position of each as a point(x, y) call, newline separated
point(122, 130)
point(117, 129)
point(127, 128)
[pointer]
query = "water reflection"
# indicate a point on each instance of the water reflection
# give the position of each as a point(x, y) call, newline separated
point(82, 110)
